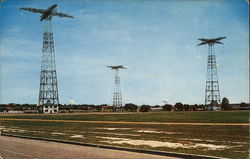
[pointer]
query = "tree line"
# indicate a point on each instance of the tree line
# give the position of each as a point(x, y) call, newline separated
point(225, 105)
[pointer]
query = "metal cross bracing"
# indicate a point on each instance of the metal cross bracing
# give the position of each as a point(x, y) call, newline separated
point(212, 92)
point(117, 96)
point(48, 93)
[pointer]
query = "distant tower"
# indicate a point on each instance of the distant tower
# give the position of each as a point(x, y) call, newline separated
point(117, 97)
point(48, 94)
point(212, 93)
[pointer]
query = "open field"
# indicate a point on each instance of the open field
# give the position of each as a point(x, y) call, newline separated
point(185, 117)
point(225, 141)
point(230, 141)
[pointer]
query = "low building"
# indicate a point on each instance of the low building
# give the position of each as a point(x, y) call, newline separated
point(15, 111)
point(30, 111)
point(155, 109)
point(239, 106)
point(212, 108)
point(106, 107)
point(48, 109)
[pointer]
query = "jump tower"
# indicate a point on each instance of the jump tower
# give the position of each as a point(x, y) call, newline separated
point(48, 93)
point(117, 96)
point(212, 93)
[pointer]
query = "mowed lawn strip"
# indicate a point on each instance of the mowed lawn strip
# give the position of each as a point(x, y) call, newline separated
point(184, 117)
point(127, 122)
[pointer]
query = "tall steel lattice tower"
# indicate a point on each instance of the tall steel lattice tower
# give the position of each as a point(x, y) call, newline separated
point(212, 92)
point(48, 93)
point(117, 96)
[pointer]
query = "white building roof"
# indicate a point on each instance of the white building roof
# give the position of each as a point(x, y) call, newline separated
point(71, 102)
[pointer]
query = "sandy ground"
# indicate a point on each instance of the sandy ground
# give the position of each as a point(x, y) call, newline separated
point(11, 147)
point(127, 122)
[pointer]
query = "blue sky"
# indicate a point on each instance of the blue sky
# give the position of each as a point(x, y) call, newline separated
point(155, 40)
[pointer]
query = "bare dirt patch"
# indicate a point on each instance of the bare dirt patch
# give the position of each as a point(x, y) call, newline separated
point(114, 128)
point(77, 136)
point(153, 143)
point(57, 133)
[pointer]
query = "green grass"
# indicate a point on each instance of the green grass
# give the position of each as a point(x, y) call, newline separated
point(206, 117)
point(235, 137)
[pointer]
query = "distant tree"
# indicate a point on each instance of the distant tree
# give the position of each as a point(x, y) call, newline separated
point(243, 104)
point(193, 107)
point(131, 107)
point(179, 106)
point(225, 104)
point(196, 106)
point(214, 103)
point(201, 107)
point(186, 107)
point(8, 108)
point(17, 107)
point(98, 108)
point(145, 108)
point(156, 106)
point(167, 107)
point(2, 108)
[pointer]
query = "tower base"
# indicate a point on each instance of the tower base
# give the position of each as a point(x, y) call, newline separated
point(212, 108)
point(49, 109)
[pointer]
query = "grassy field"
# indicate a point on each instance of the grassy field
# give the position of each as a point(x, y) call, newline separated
point(202, 117)
point(224, 141)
